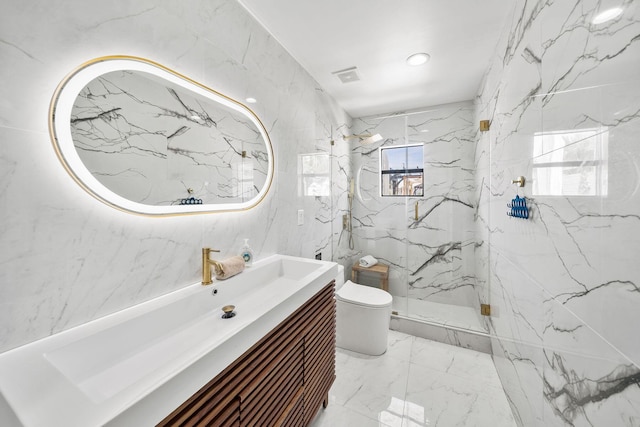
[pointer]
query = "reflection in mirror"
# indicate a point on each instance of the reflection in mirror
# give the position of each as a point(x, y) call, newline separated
point(571, 162)
point(314, 174)
point(144, 139)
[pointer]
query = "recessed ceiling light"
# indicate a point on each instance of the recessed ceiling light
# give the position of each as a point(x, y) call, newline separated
point(607, 15)
point(418, 59)
point(251, 100)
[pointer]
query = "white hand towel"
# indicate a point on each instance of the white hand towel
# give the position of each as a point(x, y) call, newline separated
point(368, 261)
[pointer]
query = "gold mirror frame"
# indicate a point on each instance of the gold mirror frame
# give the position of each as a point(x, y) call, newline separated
point(60, 131)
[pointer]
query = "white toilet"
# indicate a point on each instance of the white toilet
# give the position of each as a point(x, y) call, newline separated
point(362, 317)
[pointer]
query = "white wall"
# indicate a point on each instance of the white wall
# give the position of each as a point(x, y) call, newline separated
point(564, 285)
point(66, 258)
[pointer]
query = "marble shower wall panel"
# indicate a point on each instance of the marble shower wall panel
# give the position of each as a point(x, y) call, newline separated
point(65, 258)
point(379, 224)
point(441, 240)
point(517, 305)
point(598, 93)
point(586, 380)
point(562, 94)
point(433, 254)
point(522, 380)
point(516, 328)
point(555, 369)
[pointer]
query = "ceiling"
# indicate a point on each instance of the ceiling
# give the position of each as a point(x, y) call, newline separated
point(377, 36)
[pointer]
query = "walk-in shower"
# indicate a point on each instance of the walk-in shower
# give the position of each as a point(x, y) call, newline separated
point(417, 216)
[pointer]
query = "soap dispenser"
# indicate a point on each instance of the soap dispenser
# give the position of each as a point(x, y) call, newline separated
point(247, 253)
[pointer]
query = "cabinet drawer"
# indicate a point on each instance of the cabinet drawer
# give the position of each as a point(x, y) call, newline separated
point(280, 381)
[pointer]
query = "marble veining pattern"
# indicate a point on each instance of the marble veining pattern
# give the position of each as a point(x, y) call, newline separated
point(417, 382)
point(563, 285)
point(431, 256)
point(562, 96)
point(66, 258)
point(150, 141)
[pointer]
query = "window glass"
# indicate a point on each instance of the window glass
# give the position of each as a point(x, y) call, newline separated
point(402, 170)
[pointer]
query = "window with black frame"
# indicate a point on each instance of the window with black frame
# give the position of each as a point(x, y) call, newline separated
point(402, 171)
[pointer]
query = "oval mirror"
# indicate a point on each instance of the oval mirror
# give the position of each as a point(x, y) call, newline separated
point(147, 140)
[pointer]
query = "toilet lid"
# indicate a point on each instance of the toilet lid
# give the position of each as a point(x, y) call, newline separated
point(363, 295)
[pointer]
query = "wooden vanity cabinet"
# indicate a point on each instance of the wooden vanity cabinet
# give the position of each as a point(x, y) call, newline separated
point(280, 381)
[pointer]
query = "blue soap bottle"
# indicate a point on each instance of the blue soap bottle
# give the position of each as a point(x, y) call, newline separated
point(247, 253)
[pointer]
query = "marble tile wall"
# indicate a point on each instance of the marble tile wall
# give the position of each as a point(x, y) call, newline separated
point(150, 141)
point(66, 258)
point(563, 285)
point(562, 94)
point(431, 258)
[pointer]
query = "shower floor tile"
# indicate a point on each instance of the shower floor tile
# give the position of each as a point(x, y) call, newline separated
point(417, 382)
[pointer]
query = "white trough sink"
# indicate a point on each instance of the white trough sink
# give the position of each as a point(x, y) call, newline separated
point(97, 372)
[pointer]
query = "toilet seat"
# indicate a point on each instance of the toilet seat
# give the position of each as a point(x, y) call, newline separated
point(365, 296)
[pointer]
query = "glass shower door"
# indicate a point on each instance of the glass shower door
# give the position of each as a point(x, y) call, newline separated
point(378, 225)
point(441, 285)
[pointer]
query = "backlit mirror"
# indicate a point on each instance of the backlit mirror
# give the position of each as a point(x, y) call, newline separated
point(145, 139)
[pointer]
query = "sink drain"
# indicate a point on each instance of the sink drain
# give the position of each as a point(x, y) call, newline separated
point(228, 311)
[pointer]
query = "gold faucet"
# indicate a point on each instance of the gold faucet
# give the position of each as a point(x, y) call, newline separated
point(207, 262)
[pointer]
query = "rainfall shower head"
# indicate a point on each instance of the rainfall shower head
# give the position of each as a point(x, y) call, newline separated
point(365, 138)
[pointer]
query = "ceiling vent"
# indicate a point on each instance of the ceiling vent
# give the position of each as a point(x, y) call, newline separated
point(347, 75)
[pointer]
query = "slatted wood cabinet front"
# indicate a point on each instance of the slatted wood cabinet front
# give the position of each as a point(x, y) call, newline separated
point(281, 381)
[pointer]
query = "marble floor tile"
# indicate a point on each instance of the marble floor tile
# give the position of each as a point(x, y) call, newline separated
point(471, 365)
point(369, 385)
point(339, 416)
point(436, 398)
point(417, 382)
